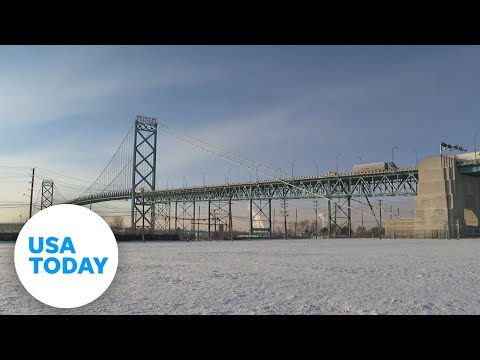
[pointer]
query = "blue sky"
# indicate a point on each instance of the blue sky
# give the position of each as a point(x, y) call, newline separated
point(67, 108)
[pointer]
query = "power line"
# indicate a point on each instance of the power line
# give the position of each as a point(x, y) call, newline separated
point(70, 177)
point(231, 158)
point(15, 167)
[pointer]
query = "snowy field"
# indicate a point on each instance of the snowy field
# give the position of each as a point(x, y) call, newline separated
point(341, 276)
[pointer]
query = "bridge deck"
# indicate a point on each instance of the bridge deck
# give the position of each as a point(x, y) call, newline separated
point(471, 168)
point(379, 183)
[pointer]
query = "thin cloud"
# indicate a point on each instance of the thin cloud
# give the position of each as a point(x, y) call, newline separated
point(55, 89)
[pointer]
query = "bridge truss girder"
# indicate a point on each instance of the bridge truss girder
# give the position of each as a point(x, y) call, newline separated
point(162, 216)
point(340, 217)
point(185, 217)
point(399, 183)
point(219, 218)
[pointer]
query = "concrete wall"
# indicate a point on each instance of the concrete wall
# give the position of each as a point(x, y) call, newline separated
point(436, 183)
point(447, 202)
point(403, 228)
point(467, 201)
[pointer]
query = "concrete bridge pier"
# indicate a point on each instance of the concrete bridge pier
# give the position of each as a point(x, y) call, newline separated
point(447, 203)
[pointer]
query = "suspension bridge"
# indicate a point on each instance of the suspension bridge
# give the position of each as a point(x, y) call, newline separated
point(131, 175)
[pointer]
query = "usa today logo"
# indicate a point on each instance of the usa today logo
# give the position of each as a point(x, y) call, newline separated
point(66, 256)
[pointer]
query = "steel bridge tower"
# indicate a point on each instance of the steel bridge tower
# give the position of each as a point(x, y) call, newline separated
point(47, 194)
point(144, 170)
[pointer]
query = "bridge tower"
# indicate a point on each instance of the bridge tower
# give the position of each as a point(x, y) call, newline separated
point(47, 194)
point(143, 172)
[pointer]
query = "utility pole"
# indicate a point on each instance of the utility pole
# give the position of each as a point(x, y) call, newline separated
point(31, 193)
point(143, 214)
point(335, 219)
point(475, 145)
point(363, 229)
point(198, 227)
point(458, 230)
point(285, 218)
point(296, 222)
point(273, 225)
point(316, 218)
point(329, 213)
point(214, 222)
point(380, 205)
point(230, 218)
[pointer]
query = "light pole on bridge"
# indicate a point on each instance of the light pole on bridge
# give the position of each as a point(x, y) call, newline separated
point(256, 170)
point(361, 159)
point(393, 148)
point(226, 176)
point(475, 144)
point(316, 165)
point(293, 162)
point(337, 160)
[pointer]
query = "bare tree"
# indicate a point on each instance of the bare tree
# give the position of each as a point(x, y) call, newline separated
point(361, 231)
point(117, 224)
point(303, 226)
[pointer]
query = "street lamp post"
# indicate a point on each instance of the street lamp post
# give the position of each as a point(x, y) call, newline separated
point(228, 173)
point(475, 144)
point(203, 173)
point(256, 170)
point(361, 159)
point(316, 165)
point(393, 148)
point(337, 160)
point(416, 157)
point(293, 162)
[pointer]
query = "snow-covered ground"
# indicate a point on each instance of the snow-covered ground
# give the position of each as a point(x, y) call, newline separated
point(341, 276)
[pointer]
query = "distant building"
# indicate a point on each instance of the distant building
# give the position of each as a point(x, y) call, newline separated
point(10, 227)
point(9, 231)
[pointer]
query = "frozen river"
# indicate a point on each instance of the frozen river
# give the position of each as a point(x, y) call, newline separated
point(338, 276)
